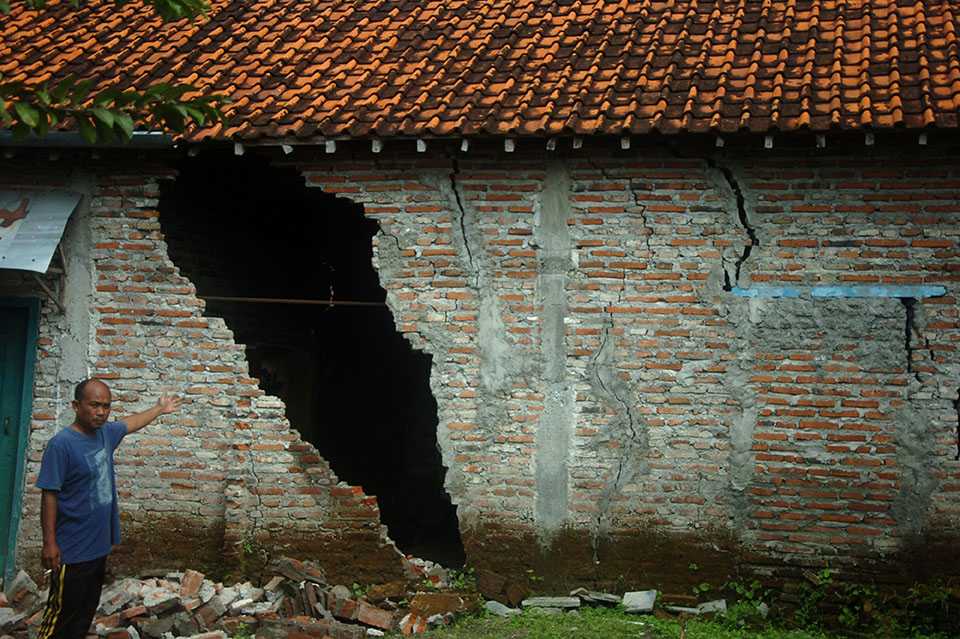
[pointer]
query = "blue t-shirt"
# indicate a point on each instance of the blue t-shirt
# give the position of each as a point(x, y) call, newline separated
point(80, 468)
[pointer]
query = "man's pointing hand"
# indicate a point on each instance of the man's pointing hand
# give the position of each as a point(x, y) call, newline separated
point(169, 404)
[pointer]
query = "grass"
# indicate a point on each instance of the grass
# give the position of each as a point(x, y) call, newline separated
point(606, 623)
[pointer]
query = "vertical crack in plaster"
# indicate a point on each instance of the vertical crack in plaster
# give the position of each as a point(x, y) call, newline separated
point(556, 425)
point(499, 368)
point(634, 446)
point(913, 326)
point(956, 407)
point(915, 434)
point(252, 531)
point(393, 237)
point(908, 305)
point(601, 373)
point(462, 220)
point(734, 186)
point(640, 210)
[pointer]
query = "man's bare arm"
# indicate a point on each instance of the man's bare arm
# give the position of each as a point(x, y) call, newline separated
point(164, 406)
point(50, 555)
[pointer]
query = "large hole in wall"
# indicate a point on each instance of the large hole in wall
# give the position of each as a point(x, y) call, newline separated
point(353, 386)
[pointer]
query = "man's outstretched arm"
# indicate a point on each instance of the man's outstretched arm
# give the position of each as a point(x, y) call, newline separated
point(165, 405)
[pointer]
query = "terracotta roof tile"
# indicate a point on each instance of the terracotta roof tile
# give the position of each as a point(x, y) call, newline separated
point(518, 67)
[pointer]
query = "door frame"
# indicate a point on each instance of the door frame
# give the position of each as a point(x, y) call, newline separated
point(32, 306)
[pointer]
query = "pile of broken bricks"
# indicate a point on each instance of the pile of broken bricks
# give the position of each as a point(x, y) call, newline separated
point(296, 601)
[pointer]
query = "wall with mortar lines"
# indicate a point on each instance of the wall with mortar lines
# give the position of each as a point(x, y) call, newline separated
point(795, 424)
point(226, 468)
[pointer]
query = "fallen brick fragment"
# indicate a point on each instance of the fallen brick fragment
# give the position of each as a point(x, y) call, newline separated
point(427, 604)
point(190, 584)
point(298, 570)
point(382, 592)
point(344, 609)
point(412, 624)
point(208, 613)
point(370, 615)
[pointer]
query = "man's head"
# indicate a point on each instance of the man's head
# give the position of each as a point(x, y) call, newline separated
point(91, 401)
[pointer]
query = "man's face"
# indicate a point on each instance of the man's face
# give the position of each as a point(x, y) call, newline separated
point(94, 409)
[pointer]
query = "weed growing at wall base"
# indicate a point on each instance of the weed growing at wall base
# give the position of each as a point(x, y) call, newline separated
point(600, 623)
point(606, 623)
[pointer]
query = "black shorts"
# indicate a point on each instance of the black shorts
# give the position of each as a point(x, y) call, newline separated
point(73, 600)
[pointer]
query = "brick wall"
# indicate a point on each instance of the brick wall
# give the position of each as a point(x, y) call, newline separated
point(608, 408)
point(793, 430)
point(225, 469)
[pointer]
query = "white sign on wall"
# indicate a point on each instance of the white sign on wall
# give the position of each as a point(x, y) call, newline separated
point(31, 224)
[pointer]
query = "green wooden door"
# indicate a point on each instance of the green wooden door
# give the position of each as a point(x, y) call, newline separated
point(16, 376)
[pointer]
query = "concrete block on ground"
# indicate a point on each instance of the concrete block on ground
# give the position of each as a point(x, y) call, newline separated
point(596, 598)
point(498, 609)
point(551, 602)
point(640, 601)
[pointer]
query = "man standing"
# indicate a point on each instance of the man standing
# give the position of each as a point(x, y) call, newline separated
point(79, 514)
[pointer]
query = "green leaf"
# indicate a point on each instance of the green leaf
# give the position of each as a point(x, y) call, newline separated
point(81, 90)
point(27, 114)
point(87, 130)
point(106, 96)
point(43, 96)
point(124, 123)
point(103, 115)
point(43, 126)
point(104, 132)
point(195, 114)
point(127, 98)
point(63, 88)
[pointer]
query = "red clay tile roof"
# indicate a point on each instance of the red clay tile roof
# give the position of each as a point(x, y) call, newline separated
point(364, 68)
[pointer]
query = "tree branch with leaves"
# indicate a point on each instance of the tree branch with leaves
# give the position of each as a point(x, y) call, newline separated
point(110, 114)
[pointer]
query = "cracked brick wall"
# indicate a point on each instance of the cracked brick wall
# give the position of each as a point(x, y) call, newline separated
point(224, 470)
point(600, 384)
point(609, 406)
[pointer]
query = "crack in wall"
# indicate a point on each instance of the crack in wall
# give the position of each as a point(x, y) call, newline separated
point(640, 209)
point(908, 305)
point(911, 329)
point(641, 212)
point(499, 368)
point(462, 220)
point(634, 446)
point(734, 186)
point(393, 237)
point(956, 407)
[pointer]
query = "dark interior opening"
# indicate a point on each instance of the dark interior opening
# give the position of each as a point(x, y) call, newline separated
point(353, 386)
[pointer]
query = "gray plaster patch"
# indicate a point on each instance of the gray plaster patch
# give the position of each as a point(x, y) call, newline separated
point(916, 458)
point(77, 296)
point(555, 428)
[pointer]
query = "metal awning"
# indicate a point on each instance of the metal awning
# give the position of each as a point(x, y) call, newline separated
point(31, 224)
